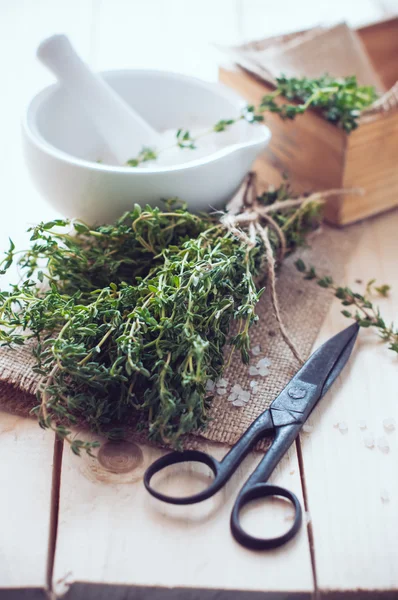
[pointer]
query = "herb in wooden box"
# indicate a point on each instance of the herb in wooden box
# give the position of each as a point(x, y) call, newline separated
point(315, 155)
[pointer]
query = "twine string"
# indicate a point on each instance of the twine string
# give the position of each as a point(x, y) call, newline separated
point(245, 212)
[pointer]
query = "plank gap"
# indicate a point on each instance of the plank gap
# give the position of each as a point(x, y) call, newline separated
point(310, 532)
point(54, 510)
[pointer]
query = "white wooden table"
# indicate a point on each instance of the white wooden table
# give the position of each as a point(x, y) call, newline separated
point(68, 525)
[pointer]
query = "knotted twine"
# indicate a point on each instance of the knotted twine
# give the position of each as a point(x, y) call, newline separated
point(244, 210)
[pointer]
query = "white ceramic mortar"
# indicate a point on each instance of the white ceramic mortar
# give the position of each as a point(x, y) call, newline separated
point(61, 147)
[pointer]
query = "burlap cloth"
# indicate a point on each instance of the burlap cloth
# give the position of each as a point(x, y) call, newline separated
point(336, 50)
point(304, 306)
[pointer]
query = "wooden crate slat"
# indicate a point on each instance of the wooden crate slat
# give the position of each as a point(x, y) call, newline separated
point(371, 164)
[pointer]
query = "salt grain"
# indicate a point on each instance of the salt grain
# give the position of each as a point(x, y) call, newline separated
point(362, 424)
point(256, 350)
point(221, 391)
point(336, 425)
point(244, 395)
point(383, 445)
point(253, 371)
point(307, 517)
point(389, 424)
point(308, 428)
point(254, 385)
point(385, 496)
point(239, 402)
point(369, 441)
point(263, 362)
point(343, 427)
point(233, 396)
point(222, 383)
point(237, 388)
point(263, 371)
point(210, 385)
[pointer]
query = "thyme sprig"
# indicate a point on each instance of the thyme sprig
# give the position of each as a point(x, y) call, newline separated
point(364, 312)
point(134, 317)
point(339, 101)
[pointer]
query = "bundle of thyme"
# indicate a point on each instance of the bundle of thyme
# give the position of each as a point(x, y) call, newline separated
point(338, 100)
point(131, 319)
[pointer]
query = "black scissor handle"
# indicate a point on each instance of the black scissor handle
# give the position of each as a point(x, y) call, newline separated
point(264, 490)
point(178, 457)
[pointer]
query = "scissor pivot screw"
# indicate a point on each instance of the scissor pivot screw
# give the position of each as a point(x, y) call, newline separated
point(297, 392)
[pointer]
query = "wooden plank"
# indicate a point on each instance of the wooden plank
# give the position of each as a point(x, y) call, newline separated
point(25, 503)
point(135, 540)
point(354, 530)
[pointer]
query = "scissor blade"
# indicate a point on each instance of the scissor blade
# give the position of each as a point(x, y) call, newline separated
point(328, 362)
point(340, 364)
point(314, 378)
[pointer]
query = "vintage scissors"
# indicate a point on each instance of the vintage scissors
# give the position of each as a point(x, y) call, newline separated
point(284, 419)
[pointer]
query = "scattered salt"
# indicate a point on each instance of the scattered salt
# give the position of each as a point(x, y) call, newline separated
point(171, 154)
point(385, 496)
point(244, 395)
point(369, 441)
point(362, 424)
point(253, 371)
point(308, 428)
point(238, 396)
point(256, 350)
point(222, 383)
point(389, 424)
point(336, 425)
point(254, 385)
point(210, 385)
point(343, 427)
point(383, 445)
point(239, 402)
point(263, 371)
point(237, 388)
point(263, 362)
point(221, 391)
point(307, 517)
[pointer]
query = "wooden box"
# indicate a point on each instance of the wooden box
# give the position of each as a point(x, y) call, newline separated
point(316, 155)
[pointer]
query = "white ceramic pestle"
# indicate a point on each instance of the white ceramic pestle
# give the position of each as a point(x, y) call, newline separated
point(121, 127)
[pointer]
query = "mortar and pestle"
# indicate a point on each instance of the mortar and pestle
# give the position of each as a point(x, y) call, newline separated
point(79, 133)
